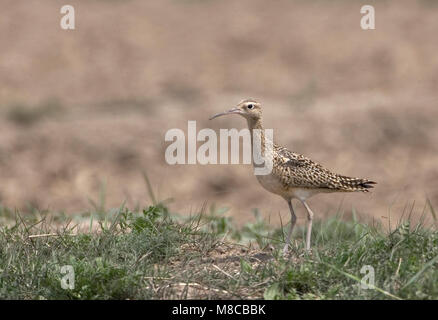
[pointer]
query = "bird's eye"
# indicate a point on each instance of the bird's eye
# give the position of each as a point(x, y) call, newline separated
point(250, 106)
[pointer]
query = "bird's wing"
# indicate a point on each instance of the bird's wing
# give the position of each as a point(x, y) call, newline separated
point(296, 170)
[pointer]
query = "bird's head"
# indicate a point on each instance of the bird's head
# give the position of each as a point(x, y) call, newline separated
point(249, 109)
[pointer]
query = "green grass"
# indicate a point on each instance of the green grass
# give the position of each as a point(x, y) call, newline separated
point(152, 254)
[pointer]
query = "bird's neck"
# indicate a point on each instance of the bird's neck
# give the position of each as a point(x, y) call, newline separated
point(254, 124)
point(256, 130)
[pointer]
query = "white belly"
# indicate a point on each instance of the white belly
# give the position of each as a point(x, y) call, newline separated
point(273, 184)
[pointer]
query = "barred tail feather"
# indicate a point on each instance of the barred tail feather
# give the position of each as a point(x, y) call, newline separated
point(356, 184)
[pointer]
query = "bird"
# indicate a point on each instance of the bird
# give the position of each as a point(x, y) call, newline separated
point(293, 176)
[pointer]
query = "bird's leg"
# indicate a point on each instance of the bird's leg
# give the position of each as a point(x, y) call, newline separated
point(309, 224)
point(293, 220)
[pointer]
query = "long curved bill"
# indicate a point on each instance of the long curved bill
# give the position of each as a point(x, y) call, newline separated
point(231, 111)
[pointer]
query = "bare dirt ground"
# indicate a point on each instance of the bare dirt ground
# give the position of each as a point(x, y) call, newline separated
point(83, 108)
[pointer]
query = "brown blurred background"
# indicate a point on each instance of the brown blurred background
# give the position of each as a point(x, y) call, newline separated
point(89, 108)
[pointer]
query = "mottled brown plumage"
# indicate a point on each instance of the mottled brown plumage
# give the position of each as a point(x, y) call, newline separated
point(293, 175)
point(296, 170)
